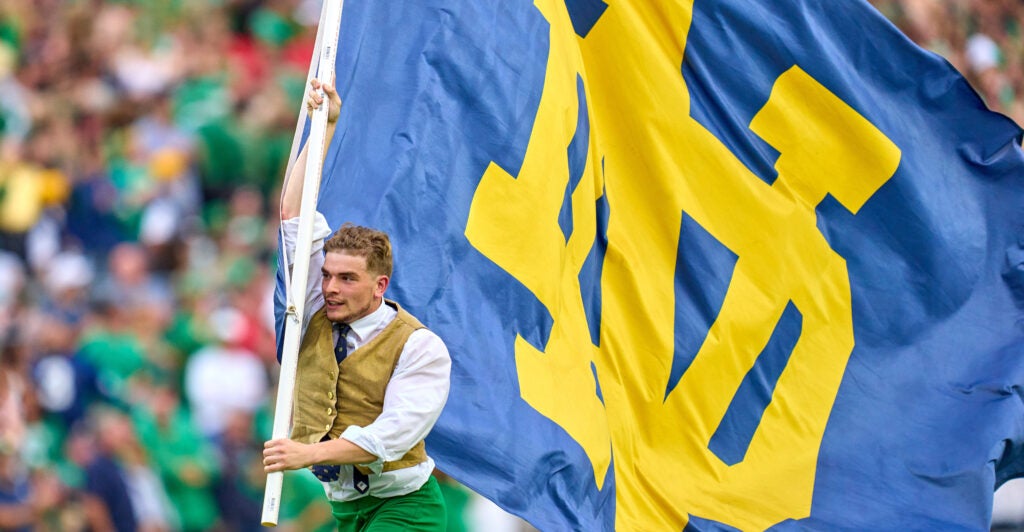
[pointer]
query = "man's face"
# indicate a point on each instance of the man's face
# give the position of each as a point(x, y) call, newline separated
point(350, 291)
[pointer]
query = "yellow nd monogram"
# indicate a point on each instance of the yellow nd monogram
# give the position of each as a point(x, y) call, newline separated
point(658, 164)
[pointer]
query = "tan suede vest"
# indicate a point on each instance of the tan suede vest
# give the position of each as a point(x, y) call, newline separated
point(330, 396)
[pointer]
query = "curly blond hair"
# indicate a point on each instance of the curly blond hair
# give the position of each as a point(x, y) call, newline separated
point(371, 244)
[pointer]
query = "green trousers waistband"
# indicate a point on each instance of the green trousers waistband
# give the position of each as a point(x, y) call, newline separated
point(422, 510)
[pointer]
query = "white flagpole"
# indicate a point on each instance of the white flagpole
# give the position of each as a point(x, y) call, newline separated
point(327, 43)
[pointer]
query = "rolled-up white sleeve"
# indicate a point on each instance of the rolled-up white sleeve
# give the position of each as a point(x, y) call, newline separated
point(413, 400)
point(289, 235)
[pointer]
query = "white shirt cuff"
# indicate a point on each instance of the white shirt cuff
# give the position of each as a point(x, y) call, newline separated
point(369, 443)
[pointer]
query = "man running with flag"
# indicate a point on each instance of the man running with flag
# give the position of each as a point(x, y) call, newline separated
point(371, 380)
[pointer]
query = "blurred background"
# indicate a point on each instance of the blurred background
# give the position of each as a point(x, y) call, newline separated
point(142, 143)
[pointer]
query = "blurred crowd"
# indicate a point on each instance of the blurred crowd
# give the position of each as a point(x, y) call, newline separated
point(141, 143)
point(141, 146)
point(983, 39)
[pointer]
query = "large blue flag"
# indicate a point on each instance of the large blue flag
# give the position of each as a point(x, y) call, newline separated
point(702, 264)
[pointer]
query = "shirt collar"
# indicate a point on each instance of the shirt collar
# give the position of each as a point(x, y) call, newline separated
point(369, 323)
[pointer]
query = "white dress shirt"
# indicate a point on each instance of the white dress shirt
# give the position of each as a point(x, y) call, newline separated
point(414, 397)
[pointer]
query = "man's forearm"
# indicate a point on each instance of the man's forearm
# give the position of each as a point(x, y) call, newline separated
point(291, 200)
point(283, 454)
point(340, 451)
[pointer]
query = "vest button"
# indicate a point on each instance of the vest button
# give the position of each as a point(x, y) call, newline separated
point(330, 395)
point(329, 411)
point(327, 427)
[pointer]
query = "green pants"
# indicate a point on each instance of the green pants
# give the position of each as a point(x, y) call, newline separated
point(422, 510)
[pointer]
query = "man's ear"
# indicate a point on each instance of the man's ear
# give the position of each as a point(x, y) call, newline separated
point(382, 285)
